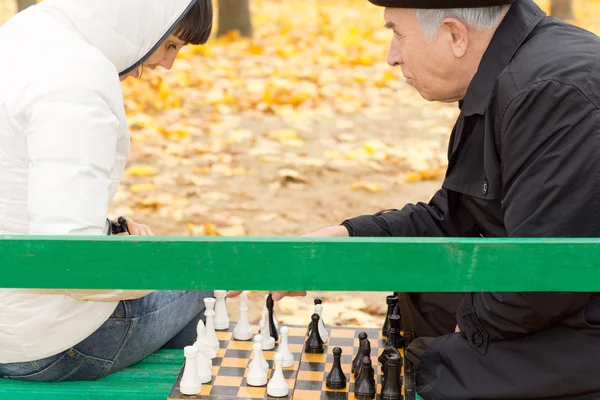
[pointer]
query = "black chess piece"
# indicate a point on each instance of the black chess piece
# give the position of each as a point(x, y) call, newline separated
point(365, 387)
point(314, 343)
point(395, 320)
point(362, 336)
point(366, 352)
point(391, 301)
point(390, 349)
point(336, 379)
point(392, 384)
point(272, 328)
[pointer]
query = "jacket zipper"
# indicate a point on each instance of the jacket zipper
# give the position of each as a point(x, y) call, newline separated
point(166, 35)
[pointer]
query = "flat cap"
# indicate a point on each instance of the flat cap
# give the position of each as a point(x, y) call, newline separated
point(440, 3)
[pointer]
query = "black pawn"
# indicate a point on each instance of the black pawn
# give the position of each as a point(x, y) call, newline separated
point(336, 379)
point(272, 328)
point(365, 387)
point(314, 343)
point(392, 384)
point(390, 349)
point(391, 301)
point(362, 337)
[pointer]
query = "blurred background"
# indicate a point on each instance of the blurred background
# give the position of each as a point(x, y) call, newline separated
point(288, 120)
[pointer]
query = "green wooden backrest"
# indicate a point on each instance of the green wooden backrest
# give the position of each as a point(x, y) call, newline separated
point(329, 264)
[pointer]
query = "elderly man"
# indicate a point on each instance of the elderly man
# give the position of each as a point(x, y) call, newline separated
point(524, 161)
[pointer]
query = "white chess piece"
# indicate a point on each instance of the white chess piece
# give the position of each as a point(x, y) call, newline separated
point(278, 386)
point(268, 342)
point(265, 319)
point(221, 318)
point(257, 376)
point(209, 313)
point(190, 384)
point(284, 349)
point(263, 361)
point(243, 330)
point(206, 353)
point(322, 330)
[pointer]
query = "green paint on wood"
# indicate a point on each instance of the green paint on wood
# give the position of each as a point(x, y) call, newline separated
point(349, 264)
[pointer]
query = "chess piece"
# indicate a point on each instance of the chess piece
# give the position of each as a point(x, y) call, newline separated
point(390, 348)
point(221, 319)
point(278, 386)
point(314, 343)
point(362, 337)
point(392, 385)
point(263, 361)
point(243, 330)
point(190, 384)
point(209, 313)
point(317, 302)
point(336, 379)
point(395, 320)
point(271, 321)
point(206, 353)
point(263, 318)
point(391, 301)
point(366, 352)
point(322, 330)
point(365, 387)
point(284, 349)
point(268, 343)
point(257, 376)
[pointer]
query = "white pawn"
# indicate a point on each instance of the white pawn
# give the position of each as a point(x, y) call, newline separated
point(322, 330)
point(243, 330)
point(284, 349)
point(190, 384)
point(257, 376)
point(268, 342)
point(278, 386)
point(261, 357)
point(209, 313)
point(221, 317)
point(265, 316)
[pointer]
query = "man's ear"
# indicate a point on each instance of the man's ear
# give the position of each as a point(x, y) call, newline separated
point(458, 35)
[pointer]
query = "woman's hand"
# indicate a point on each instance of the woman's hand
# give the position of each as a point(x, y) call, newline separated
point(136, 229)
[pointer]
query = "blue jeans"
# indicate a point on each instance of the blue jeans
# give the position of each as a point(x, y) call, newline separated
point(135, 330)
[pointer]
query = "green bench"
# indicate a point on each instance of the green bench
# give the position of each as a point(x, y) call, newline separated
point(357, 264)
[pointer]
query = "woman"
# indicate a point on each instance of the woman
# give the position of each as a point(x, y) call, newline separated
point(63, 146)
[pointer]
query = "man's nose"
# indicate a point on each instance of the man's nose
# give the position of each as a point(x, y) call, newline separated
point(394, 55)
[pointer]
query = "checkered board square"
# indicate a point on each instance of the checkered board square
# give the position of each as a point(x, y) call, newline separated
point(306, 379)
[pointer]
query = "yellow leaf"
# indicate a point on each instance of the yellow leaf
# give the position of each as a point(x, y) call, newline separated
point(142, 187)
point(367, 187)
point(210, 230)
point(141, 170)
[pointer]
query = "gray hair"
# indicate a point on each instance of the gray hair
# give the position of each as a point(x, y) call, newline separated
point(481, 18)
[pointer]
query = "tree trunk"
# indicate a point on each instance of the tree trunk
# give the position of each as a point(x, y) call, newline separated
point(562, 9)
point(235, 15)
point(23, 4)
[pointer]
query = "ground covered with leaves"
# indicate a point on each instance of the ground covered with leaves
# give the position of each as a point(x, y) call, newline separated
point(298, 128)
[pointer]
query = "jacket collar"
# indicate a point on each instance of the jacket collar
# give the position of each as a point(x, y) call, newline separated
point(519, 22)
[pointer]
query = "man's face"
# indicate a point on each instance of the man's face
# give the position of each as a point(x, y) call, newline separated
point(429, 65)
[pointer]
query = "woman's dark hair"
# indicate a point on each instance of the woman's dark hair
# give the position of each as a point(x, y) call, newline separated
point(196, 26)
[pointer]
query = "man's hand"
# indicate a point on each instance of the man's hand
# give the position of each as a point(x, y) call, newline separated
point(457, 329)
point(330, 231)
point(276, 295)
point(136, 229)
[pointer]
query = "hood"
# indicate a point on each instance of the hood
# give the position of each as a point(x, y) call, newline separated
point(125, 31)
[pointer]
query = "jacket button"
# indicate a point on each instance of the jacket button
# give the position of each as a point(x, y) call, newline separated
point(477, 339)
point(71, 353)
point(485, 187)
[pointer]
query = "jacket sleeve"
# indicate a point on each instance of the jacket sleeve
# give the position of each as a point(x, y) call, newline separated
point(71, 138)
point(550, 170)
point(441, 217)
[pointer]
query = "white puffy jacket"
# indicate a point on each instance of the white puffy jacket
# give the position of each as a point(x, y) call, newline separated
point(64, 142)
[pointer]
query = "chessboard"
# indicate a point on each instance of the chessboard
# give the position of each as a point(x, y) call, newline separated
point(306, 378)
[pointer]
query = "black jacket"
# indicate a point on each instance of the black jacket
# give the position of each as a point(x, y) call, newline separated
point(524, 161)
